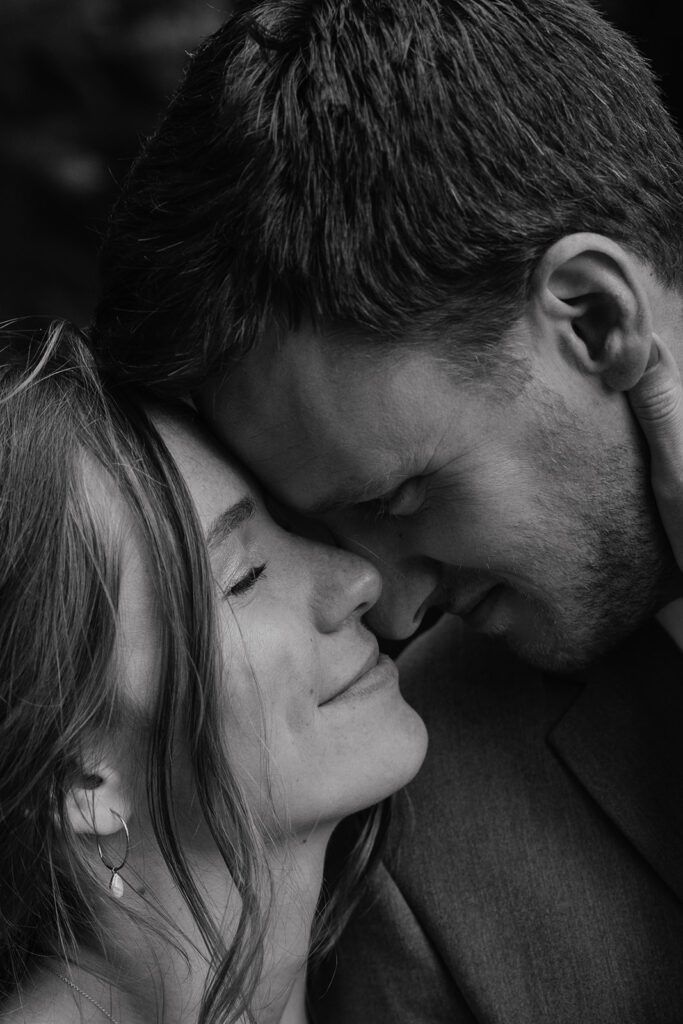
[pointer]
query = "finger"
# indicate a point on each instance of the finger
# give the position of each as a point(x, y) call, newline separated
point(657, 402)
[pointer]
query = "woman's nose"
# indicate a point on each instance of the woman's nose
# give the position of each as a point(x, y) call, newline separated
point(348, 586)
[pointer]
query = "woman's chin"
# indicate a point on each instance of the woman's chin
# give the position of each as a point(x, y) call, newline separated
point(403, 752)
point(393, 759)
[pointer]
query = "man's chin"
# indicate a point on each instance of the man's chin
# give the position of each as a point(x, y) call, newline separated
point(566, 651)
point(530, 631)
point(561, 659)
point(541, 636)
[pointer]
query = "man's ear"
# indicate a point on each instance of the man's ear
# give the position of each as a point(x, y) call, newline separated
point(591, 295)
point(94, 800)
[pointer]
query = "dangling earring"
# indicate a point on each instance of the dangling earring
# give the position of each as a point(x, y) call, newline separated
point(115, 882)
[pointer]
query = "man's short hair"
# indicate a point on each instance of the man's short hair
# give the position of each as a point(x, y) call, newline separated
point(394, 166)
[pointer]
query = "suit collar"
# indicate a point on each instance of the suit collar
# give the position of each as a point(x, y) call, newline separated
point(623, 739)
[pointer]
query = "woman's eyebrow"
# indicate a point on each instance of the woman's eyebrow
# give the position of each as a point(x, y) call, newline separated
point(227, 521)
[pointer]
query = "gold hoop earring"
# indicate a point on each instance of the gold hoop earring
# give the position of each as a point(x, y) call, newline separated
point(115, 882)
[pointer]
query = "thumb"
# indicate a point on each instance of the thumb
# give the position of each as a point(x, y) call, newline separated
point(657, 403)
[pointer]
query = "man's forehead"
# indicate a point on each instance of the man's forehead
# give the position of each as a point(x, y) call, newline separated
point(325, 426)
point(312, 379)
point(321, 472)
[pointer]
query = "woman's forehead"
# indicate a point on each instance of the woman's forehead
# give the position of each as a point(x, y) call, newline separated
point(212, 475)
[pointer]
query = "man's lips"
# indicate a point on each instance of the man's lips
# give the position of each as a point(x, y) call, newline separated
point(464, 606)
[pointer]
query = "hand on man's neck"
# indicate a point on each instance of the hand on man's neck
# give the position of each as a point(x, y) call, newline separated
point(667, 305)
point(671, 619)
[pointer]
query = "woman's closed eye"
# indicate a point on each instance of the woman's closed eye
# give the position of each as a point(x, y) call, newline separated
point(245, 582)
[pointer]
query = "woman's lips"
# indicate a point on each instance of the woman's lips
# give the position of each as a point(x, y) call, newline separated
point(378, 673)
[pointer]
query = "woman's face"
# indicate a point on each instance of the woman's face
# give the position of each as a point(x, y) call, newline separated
point(314, 722)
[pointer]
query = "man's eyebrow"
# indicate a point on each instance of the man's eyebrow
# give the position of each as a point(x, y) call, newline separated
point(227, 521)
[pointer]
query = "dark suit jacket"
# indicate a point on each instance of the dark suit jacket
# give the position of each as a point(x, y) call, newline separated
point(535, 866)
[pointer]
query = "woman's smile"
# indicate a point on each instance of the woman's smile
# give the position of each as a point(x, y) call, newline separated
point(379, 673)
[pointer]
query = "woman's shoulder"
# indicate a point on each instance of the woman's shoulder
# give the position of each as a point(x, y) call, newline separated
point(46, 998)
point(39, 1002)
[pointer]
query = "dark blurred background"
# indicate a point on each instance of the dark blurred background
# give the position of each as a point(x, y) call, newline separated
point(82, 81)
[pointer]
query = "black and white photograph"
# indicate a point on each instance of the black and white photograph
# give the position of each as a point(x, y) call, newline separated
point(341, 512)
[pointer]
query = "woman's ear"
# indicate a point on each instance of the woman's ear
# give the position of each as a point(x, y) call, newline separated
point(591, 296)
point(94, 800)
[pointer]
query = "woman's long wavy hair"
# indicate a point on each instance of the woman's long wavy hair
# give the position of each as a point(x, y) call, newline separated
point(59, 582)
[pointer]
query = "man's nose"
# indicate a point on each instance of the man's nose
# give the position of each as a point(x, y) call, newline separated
point(407, 594)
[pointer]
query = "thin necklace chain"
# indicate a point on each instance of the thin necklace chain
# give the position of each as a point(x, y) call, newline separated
point(85, 995)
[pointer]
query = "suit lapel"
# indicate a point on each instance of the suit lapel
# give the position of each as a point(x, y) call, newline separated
point(623, 740)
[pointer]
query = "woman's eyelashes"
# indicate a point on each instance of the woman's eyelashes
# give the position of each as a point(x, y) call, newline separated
point(245, 582)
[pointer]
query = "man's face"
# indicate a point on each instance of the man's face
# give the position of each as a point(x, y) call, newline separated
point(528, 514)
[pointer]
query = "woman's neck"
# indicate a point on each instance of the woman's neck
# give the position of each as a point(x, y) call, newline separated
point(138, 956)
point(297, 875)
